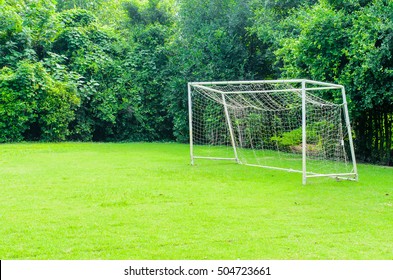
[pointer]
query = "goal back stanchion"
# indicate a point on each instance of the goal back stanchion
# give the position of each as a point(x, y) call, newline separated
point(304, 134)
point(279, 124)
point(230, 128)
point(190, 124)
point(348, 125)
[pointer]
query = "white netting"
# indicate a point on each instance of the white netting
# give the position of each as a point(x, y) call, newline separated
point(266, 123)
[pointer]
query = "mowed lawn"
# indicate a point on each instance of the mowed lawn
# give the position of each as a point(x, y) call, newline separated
point(144, 201)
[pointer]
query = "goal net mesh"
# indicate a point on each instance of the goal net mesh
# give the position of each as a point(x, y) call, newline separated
point(265, 120)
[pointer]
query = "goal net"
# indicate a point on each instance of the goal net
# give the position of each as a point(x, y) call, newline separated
point(282, 124)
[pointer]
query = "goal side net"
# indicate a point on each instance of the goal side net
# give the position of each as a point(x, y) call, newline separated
point(282, 124)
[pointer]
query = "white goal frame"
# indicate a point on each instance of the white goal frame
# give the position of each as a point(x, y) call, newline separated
point(303, 86)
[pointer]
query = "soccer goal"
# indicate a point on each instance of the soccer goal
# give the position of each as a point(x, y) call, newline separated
point(280, 124)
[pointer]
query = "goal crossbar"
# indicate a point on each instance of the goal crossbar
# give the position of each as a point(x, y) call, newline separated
point(263, 91)
point(290, 81)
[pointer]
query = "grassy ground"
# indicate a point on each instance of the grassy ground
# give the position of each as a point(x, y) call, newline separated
point(144, 201)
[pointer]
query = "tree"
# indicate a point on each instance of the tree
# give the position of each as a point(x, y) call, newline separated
point(33, 106)
point(316, 45)
point(369, 75)
point(150, 29)
point(81, 4)
point(213, 43)
point(90, 51)
point(348, 43)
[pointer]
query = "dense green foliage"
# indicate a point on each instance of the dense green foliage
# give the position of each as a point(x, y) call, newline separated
point(349, 43)
point(117, 70)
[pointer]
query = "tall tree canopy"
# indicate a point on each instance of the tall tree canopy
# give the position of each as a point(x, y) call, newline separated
point(348, 42)
point(117, 70)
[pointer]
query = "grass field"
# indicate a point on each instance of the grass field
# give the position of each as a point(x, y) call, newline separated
point(144, 201)
point(278, 159)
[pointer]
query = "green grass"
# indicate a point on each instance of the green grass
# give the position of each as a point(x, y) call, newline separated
point(277, 159)
point(144, 201)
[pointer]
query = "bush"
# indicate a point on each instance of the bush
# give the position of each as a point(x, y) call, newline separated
point(33, 106)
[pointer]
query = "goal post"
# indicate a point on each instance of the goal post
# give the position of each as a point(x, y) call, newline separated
point(279, 124)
